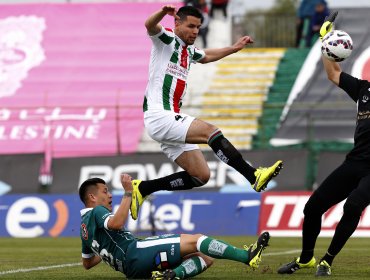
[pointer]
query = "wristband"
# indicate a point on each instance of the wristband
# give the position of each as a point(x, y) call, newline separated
point(127, 194)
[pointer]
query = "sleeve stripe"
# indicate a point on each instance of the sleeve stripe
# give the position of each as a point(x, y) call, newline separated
point(165, 38)
point(106, 222)
point(197, 56)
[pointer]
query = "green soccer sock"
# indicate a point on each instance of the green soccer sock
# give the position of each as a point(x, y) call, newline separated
point(221, 250)
point(190, 267)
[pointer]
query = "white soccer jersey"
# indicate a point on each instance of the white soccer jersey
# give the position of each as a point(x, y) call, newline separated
point(168, 70)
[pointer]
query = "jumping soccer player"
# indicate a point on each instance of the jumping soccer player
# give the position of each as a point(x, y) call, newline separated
point(172, 53)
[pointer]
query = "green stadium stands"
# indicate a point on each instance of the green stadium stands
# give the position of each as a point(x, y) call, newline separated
point(278, 94)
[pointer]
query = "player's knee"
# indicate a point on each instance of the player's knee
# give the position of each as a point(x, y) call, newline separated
point(208, 261)
point(313, 206)
point(211, 129)
point(198, 235)
point(197, 240)
point(201, 179)
point(352, 208)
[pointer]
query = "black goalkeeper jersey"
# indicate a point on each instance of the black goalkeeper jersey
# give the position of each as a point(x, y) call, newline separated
point(359, 91)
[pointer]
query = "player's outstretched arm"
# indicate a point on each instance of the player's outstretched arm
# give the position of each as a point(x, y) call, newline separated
point(332, 69)
point(217, 54)
point(118, 220)
point(152, 23)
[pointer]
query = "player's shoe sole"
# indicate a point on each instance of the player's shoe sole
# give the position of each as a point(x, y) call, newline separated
point(294, 265)
point(255, 250)
point(323, 269)
point(168, 274)
point(265, 174)
point(137, 199)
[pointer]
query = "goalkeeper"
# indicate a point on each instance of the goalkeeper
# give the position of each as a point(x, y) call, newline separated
point(351, 180)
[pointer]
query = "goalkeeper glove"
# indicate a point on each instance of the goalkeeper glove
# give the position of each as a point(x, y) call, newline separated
point(328, 24)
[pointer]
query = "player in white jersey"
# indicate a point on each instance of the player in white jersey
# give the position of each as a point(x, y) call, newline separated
point(172, 53)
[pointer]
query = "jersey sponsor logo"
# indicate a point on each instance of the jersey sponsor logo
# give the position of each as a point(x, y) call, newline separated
point(84, 232)
point(177, 71)
point(363, 115)
point(282, 215)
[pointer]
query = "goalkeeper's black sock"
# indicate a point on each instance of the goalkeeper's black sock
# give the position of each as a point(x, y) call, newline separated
point(328, 258)
point(226, 152)
point(306, 256)
point(174, 182)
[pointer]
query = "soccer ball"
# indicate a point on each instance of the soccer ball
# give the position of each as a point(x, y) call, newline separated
point(337, 45)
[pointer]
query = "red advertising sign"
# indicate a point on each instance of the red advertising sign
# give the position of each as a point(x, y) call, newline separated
point(282, 215)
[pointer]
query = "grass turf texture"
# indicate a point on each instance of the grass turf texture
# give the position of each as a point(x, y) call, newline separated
point(15, 254)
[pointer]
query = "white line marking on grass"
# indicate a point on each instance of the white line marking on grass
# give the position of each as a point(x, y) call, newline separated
point(282, 253)
point(39, 268)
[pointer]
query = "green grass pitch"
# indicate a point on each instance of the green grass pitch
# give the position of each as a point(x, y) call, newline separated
point(58, 258)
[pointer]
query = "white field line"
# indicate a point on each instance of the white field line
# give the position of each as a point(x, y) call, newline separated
point(282, 253)
point(21, 270)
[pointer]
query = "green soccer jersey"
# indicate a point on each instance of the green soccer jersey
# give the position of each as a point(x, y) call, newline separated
point(97, 239)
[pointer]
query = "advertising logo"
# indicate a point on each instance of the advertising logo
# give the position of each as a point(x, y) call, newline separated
point(181, 212)
point(221, 174)
point(34, 216)
point(282, 215)
point(20, 50)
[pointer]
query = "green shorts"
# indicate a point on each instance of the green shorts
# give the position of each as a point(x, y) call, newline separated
point(153, 253)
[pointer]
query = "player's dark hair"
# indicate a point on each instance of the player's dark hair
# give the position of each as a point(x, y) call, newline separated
point(87, 185)
point(185, 11)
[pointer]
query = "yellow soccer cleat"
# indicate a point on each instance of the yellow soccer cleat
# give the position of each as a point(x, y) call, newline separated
point(255, 250)
point(294, 265)
point(265, 174)
point(323, 269)
point(137, 199)
point(168, 274)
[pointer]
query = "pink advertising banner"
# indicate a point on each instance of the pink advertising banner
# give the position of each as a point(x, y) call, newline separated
point(72, 77)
